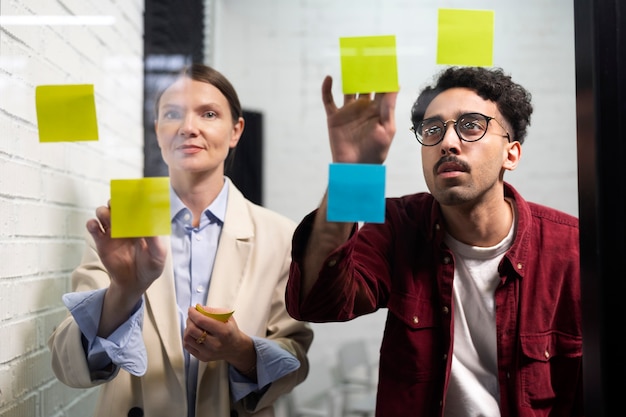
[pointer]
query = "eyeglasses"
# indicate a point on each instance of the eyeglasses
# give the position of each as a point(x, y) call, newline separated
point(470, 127)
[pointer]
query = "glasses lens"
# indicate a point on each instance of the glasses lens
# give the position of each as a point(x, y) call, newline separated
point(472, 126)
point(429, 131)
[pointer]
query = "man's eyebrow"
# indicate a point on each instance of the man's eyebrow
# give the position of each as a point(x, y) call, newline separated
point(457, 115)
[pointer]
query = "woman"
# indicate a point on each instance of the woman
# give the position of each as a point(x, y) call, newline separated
point(134, 328)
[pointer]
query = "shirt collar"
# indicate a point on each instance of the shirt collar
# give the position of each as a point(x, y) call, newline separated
point(217, 208)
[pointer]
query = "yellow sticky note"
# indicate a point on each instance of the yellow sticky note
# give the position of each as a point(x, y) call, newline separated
point(465, 37)
point(369, 64)
point(140, 207)
point(66, 113)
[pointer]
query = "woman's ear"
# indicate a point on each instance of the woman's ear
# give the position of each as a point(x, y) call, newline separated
point(237, 132)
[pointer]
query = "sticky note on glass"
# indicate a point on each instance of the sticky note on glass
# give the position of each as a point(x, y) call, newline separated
point(465, 37)
point(356, 192)
point(66, 113)
point(140, 207)
point(369, 64)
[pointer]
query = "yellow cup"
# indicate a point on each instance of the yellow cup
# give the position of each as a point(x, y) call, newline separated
point(223, 317)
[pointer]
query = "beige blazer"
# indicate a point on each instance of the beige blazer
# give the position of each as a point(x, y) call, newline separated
point(249, 275)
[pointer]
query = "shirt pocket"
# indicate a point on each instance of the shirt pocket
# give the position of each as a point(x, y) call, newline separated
point(416, 313)
point(412, 344)
point(550, 369)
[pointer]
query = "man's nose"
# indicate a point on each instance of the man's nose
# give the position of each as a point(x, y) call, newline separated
point(451, 140)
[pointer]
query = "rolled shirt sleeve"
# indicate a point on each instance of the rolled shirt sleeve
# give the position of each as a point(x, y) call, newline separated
point(273, 363)
point(124, 347)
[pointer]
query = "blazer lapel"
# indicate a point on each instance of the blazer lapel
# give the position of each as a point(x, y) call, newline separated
point(233, 253)
point(162, 310)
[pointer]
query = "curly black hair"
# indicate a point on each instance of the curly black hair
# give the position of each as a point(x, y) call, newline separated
point(513, 100)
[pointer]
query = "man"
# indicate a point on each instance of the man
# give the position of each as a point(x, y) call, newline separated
point(482, 287)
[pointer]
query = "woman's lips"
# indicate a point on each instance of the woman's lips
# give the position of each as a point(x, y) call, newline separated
point(189, 149)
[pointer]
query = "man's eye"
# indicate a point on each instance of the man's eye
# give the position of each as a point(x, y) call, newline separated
point(472, 125)
point(430, 131)
point(209, 114)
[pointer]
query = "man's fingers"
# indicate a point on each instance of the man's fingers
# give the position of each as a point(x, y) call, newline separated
point(327, 95)
point(388, 106)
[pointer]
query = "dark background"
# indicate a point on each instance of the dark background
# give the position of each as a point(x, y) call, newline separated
point(173, 38)
point(600, 31)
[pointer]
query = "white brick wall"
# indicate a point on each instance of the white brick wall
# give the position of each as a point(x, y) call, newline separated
point(48, 190)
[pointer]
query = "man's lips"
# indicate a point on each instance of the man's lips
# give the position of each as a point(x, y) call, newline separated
point(450, 165)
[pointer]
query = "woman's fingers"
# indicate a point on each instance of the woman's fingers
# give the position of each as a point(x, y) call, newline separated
point(157, 247)
point(103, 214)
point(95, 228)
point(101, 225)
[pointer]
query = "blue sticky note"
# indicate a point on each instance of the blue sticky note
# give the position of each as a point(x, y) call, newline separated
point(356, 192)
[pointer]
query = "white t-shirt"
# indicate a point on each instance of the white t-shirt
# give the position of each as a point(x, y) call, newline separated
point(473, 389)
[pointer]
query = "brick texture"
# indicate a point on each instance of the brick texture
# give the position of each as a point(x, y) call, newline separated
point(49, 190)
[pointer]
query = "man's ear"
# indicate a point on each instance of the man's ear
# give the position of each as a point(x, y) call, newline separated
point(513, 155)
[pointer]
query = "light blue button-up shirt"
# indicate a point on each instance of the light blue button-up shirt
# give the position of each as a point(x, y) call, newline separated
point(193, 254)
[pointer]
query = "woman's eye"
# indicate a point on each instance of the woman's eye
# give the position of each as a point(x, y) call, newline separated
point(171, 115)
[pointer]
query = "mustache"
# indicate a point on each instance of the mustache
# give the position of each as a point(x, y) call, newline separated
point(452, 159)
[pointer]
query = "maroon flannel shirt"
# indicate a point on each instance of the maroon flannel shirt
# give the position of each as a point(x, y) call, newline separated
point(403, 265)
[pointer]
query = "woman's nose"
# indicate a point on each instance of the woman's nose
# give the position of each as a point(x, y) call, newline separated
point(188, 126)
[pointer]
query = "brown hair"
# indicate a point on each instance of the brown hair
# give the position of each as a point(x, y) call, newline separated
point(209, 75)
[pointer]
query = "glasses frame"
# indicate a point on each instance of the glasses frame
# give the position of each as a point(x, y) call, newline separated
point(456, 128)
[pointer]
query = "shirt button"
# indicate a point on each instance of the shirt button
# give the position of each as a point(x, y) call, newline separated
point(199, 289)
point(446, 260)
point(445, 310)
point(519, 265)
point(415, 320)
point(187, 216)
point(332, 262)
point(546, 354)
point(198, 238)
